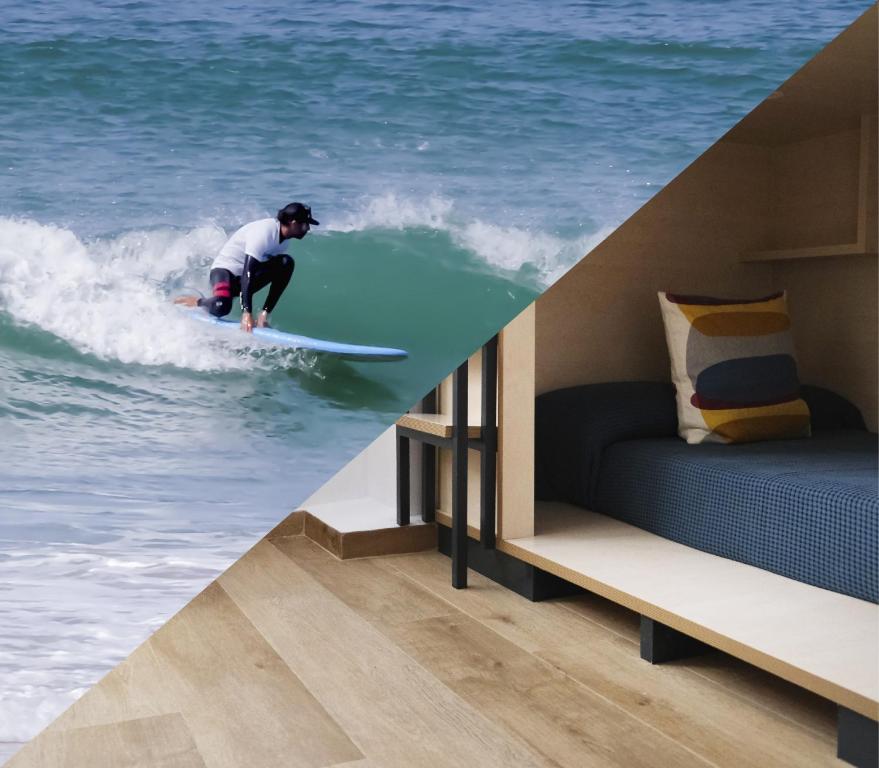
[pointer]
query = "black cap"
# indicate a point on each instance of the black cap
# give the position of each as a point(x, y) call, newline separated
point(296, 212)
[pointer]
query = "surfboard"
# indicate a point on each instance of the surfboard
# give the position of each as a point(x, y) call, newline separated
point(278, 338)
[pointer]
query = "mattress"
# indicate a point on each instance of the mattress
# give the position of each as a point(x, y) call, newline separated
point(807, 509)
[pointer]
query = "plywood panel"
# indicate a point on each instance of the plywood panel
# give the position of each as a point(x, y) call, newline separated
point(601, 321)
point(474, 485)
point(474, 390)
point(815, 191)
point(438, 424)
point(870, 127)
point(516, 361)
point(821, 640)
point(834, 316)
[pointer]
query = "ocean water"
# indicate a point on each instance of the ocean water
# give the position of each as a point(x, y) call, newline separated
point(460, 158)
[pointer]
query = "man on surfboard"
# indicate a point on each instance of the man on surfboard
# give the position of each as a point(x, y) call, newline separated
point(251, 259)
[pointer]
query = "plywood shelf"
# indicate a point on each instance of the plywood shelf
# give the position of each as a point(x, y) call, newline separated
point(862, 245)
point(816, 252)
point(437, 424)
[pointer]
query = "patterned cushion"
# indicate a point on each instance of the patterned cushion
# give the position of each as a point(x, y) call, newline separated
point(733, 366)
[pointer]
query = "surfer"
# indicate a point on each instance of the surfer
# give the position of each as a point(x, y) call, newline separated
point(251, 259)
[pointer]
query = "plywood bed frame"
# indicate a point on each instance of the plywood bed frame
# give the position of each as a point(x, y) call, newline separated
point(786, 199)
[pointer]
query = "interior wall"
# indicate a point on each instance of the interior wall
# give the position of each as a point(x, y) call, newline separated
point(814, 198)
point(602, 322)
point(371, 474)
point(833, 306)
point(871, 199)
point(833, 301)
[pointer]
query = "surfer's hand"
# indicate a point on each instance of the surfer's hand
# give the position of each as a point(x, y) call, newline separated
point(263, 320)
point(246, 322)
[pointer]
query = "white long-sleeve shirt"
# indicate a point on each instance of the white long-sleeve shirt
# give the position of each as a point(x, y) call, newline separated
point(260, 239)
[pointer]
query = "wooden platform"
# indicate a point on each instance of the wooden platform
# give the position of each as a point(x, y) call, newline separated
point(295, 658)
point(821, 640)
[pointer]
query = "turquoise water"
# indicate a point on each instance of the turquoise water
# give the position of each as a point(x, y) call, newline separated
point(459, 158)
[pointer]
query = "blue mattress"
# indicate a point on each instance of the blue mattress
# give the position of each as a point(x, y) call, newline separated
point(806, 509)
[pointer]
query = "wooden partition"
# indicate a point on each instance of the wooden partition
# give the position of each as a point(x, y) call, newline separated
point(516, 427)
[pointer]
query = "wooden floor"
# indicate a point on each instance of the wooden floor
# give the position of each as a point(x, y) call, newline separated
point(295, 658)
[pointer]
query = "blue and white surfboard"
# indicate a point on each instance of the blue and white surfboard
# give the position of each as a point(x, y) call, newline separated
point(294, 341)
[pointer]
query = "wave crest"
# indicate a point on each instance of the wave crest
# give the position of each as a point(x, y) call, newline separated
point(544, 257)
point(109, 297)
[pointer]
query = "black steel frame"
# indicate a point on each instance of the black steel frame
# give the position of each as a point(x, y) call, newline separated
point(459, 443)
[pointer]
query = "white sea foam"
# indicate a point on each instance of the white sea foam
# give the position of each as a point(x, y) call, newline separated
point(509, 248)
point(389, 211)
point(109, 297)
point(503, 248)
point(76, 641)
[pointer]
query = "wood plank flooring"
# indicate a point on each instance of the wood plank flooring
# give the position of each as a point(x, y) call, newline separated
point(295, 658)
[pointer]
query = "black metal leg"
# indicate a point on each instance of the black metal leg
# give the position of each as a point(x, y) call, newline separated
point(660, 643)
point(428, 483)
point(489, 445)
point(459, 477)
point(428, 466)
point(402, 480)
point(857, 739)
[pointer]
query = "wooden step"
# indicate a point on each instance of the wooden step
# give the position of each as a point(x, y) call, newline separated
point(357, 528)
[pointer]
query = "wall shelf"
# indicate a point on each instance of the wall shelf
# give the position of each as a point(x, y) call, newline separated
point(860, 246)
point(816, 252)
point(437, 424)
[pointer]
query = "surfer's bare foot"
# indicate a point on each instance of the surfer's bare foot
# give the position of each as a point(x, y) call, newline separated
point(263, 320)
point(187, 301)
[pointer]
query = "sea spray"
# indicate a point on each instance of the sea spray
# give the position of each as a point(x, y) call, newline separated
point(107, 297)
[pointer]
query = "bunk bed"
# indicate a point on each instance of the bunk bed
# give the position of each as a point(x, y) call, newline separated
point(807, 509)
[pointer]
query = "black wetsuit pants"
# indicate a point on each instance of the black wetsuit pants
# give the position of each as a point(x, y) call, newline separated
point(275, 272)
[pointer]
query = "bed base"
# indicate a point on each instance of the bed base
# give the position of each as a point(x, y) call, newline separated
point(857, 737)
point(660, 643)
point(511, 572)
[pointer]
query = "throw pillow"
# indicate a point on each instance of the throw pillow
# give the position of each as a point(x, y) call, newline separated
point(733, 367)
